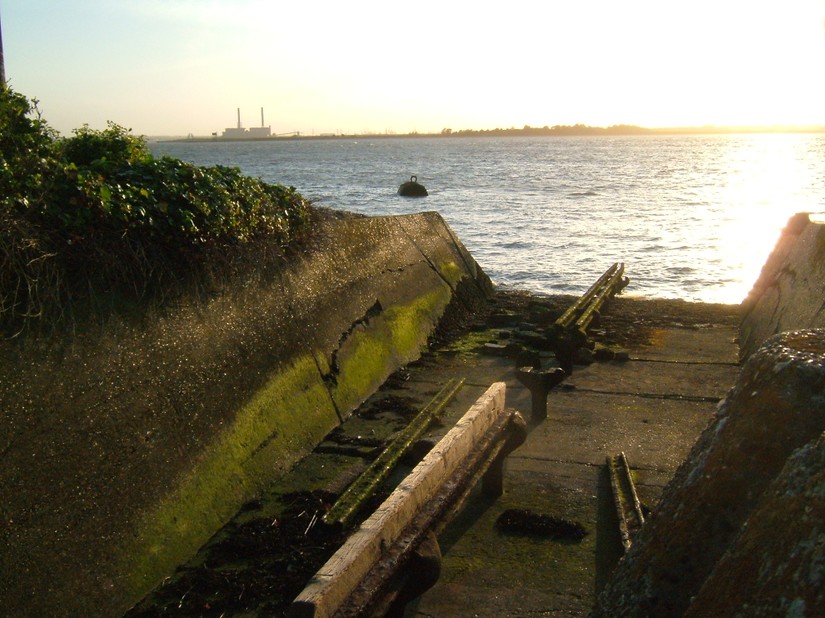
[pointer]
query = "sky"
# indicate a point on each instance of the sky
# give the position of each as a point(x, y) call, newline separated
point(175, 67)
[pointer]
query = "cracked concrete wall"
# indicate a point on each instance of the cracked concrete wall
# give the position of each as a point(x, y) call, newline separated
point(127, 449)
point(790, 291)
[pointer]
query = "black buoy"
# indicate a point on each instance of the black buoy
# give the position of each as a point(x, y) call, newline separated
point(412, 188)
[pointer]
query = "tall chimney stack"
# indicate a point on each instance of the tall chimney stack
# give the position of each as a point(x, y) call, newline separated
point(262, 117)
point(239, 117)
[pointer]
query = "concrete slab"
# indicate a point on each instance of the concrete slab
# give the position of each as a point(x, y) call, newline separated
point(489, 574)
point(585, 429)
point(652, 407)
point(707, 343)
point(665, 378)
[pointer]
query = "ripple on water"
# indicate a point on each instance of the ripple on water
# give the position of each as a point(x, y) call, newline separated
point(551, 214)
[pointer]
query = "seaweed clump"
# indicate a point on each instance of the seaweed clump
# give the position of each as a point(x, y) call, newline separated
point(521, 521)
point(258, 566)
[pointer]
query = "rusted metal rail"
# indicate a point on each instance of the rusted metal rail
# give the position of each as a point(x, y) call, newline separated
point(571, 315)
point(614, 284)
point(393, 556)
point(628, 507)
point(567, 334)
point(349, 503)
point(569, 331)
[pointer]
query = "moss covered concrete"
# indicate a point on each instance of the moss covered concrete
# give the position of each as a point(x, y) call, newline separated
point(285, 419)
point(128, 448)
point(289, 415)
point(395, 338)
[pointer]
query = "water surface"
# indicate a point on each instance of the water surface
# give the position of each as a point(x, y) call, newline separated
point(692, 217)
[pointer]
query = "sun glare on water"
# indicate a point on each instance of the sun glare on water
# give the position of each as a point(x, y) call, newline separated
point(766, 180)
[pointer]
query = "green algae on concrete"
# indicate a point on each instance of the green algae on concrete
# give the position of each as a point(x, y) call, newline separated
point(451, 272)
point(468, 345)
point(286, 417)
point(394, 338)
point(291, 414)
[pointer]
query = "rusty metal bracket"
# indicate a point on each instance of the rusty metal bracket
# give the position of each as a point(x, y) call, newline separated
point(539, 382)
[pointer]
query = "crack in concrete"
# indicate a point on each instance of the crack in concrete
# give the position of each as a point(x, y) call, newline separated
point(375, 310)
point(429, 262)
point(327, 387)
point(467, 266)
point(291, 311)
point(263, 444)
point(590, 464)
point(458, 245)
point(571, 462)
point(666, 396)
point(681, 362)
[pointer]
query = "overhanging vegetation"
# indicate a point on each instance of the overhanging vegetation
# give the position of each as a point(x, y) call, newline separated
point(94, 221)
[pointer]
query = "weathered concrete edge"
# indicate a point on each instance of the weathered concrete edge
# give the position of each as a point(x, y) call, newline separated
point(789, 293)
point(330, 586)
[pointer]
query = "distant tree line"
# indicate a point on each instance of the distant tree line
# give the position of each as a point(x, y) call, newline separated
point(576, 129)
point(626, 129)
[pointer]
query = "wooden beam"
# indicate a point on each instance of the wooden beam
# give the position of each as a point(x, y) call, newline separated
point(334, 582)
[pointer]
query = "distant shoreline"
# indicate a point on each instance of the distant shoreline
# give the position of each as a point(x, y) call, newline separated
point(556, 131)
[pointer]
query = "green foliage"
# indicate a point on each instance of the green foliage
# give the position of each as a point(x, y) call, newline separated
point(27, 158)
point(97, 213)
point(114, 145)
point(168, 201)
point(27, 166)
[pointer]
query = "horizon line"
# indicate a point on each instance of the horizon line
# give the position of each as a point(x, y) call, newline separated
point(614, 129)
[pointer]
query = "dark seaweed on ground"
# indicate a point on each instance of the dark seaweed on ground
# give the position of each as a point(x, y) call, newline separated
point(521, 521)
point(260, 566)
point(348, 451)
point(339, 436)
point(396, 404)
point(398, 379)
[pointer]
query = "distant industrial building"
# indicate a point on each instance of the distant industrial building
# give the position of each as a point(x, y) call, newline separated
point(252, 133)
point(259, 131)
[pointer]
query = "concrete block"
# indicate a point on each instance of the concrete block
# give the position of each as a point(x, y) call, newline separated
point(776, 407)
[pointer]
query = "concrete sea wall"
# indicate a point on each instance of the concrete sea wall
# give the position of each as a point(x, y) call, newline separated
point(127, 448)
point(790, 291)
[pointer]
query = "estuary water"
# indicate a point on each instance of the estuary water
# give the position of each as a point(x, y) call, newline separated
point(692, 217)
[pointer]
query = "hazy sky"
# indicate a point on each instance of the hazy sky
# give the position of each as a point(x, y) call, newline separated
point(172, 67)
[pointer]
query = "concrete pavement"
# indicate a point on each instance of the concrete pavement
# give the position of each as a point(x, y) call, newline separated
point(652, 407)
